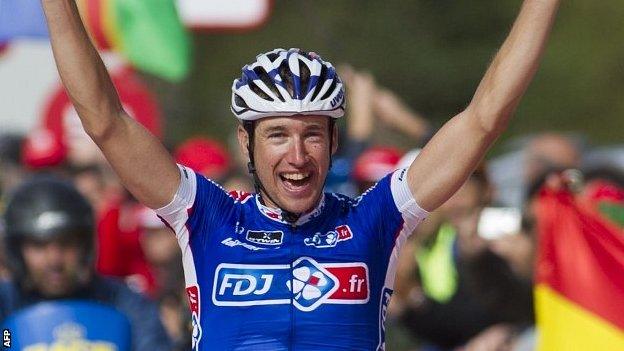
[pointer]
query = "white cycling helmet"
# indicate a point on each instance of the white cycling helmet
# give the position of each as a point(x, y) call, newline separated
point(285, 83)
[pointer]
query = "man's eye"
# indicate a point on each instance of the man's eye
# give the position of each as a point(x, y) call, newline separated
point(277, 136)
point(314, 135)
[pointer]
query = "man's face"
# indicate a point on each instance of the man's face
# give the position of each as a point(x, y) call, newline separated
point(292, 159)
point(54, 268)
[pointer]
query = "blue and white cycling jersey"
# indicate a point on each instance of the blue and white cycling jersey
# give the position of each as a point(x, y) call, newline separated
point(256, 282)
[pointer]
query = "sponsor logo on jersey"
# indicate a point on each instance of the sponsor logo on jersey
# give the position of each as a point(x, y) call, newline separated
point(402, 174)
point(331, 238)
point(235, 242)
point(192, 292)
point(307, 283)
point(383, 309)
point(264, 237)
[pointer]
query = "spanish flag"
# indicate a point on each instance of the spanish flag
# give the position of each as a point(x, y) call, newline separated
point(148, 33)
point(579, 289)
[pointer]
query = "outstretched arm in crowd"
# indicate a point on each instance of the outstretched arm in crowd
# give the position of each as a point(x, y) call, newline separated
point(456, 149)
point(140, 160)
point(392, 111)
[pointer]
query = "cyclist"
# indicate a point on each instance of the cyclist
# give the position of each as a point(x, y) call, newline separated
point(292, 267)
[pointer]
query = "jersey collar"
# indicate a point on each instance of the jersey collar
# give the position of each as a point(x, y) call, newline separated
point(275, 214)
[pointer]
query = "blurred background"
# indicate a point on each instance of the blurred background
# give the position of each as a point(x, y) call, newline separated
point(408, 67)
point(432, 52)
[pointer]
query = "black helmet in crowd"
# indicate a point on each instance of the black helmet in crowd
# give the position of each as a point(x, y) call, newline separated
point(44, 209)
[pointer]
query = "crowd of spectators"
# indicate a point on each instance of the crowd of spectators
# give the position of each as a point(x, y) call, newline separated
point(464, 280)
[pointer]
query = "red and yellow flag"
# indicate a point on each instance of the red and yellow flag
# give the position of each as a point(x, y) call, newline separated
point(579, 291)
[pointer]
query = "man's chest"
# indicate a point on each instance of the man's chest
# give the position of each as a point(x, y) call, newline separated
point(252, 265)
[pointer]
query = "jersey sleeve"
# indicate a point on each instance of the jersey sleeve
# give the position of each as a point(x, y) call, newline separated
point(411, 213)
point(391, 210)
point(198, 205)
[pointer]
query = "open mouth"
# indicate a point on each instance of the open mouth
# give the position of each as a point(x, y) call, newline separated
point(296, 181)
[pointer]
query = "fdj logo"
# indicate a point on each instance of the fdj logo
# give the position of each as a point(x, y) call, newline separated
point(311, 284)
point(308, 284)
point(245, 284)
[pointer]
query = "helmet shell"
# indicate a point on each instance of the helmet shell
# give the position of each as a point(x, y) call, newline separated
point(43, 209)
point(287, 83)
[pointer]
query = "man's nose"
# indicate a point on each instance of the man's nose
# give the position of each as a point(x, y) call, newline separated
point(54, 253)
point(297, 155)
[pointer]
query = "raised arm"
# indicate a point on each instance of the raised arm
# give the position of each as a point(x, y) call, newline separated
point(448, 159)
point(140, 160)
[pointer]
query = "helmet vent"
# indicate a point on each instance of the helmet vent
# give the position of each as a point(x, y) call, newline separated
point(331, 89)
point(256, 89)
point(264, 77)
point(240, 102)
point(322, 76)
point(304, 72)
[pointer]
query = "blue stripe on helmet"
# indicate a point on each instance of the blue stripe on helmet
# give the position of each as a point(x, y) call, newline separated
point(312, 83)
point(296, 78)
point(331, 73)
point(250, 74)
point(273, 74)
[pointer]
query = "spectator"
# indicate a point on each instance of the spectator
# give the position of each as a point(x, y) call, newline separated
point(11, 171)
point(373, 164)
point(205, 156)
point(513, 173)
point(119, 252)
point(550, 151)
point(11, 175)
point(369, 103)
point(463, 287)
point(49, 231)
point(163, 254)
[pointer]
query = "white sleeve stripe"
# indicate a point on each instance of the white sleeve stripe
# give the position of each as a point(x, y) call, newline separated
point(184, 196)
point(404, 200)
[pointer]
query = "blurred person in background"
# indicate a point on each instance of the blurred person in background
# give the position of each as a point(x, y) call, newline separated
point(119, 251)
point(12, 173)
point(373, 164)
point(514, 173)
point(369, 103)
point(205, 156)
point(49, 239)
point(163, 254)
point(289, 139)
point(550, 151)
point(212, 159)
point(459, 288)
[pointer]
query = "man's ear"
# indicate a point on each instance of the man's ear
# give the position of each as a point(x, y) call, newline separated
point(334, 139)
point(243, 140)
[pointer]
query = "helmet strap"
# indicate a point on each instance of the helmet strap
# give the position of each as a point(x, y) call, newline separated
point(332, 125)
